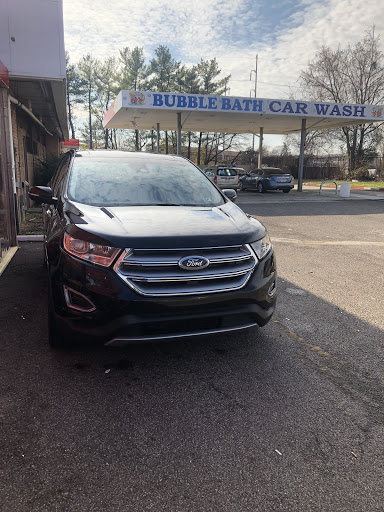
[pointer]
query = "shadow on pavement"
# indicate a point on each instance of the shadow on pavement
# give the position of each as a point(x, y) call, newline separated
point(274, 207)
point(261, 420)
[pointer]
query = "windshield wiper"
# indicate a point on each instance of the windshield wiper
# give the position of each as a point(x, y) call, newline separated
point(181, 204)
point(166, 204)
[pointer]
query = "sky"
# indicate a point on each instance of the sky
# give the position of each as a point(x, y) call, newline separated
point(285, 35)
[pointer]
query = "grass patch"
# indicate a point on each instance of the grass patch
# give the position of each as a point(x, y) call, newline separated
point(373, 184)
point(32, 225)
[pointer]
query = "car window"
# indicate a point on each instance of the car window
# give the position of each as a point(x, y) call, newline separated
point(226, 172)
point(119, 181)
point(272, 172)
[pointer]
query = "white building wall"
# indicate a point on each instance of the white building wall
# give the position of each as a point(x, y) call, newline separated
point(32, 38)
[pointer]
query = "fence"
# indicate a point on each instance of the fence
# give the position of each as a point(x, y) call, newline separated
point(325, 167)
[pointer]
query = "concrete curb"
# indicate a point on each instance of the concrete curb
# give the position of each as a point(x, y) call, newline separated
point(7, 258)
point(30, 238)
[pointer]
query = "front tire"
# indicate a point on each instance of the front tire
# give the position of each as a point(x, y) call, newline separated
point(286, 191)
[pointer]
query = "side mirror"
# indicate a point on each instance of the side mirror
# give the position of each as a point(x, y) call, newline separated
point(230, 193)
point(42, 195)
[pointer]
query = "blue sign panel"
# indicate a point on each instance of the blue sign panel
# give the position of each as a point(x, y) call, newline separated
point(281, 107)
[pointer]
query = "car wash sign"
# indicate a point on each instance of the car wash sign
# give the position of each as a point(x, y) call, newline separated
point(271, 107)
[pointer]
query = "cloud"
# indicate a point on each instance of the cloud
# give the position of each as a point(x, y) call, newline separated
point(285, 34)
point(233, 31)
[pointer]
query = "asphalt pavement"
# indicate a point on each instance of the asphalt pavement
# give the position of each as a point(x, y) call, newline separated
point(284, 418)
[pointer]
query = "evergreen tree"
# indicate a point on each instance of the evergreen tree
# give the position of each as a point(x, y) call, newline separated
point(208, 72)
point(163, 71)
point(134, 71)
point(106, 89)
point(74, 91)
point(88, 68)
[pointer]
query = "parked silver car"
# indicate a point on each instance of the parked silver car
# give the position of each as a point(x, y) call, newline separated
point(224, 176)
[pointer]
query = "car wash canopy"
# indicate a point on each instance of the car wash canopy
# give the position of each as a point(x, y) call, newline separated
point(228, 114)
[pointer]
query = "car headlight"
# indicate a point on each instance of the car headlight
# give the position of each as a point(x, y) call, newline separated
point(262, 247)
point(94, 253)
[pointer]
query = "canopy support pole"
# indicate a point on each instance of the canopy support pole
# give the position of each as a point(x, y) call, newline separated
point(179, 133)
point(260, 159)
point(301, 159)
point(158, 136)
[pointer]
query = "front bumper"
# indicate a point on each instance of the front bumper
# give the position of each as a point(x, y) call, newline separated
point(123, 316)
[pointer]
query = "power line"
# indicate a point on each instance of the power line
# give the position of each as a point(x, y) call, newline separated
point(260, 82)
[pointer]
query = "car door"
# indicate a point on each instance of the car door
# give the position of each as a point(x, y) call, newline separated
point(252, 180)
point(259, 177)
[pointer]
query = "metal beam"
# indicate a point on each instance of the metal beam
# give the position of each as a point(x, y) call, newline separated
point(158, 136)
point(179, 133)
point(301, 159)
point(260, 159)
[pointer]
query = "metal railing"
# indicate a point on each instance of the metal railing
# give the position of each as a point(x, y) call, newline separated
point(328, 181)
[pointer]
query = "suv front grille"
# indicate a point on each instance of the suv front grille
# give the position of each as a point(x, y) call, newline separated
point(156, 272)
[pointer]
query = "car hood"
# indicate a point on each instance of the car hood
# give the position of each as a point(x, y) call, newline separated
point(163, 226)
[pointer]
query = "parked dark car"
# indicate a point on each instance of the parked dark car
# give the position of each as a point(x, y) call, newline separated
point(143, 247)
point(267, 178)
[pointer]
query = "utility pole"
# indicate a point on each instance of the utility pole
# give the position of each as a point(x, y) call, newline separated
point(254, 71)
point(225, 93)
point(250, 93)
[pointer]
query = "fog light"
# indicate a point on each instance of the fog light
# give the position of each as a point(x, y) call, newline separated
point(78, 301)
point(272, 289)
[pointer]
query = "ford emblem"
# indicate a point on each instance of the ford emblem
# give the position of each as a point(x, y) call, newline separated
point(193, 262)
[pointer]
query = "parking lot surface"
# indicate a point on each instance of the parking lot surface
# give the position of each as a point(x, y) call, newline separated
point(289, 417)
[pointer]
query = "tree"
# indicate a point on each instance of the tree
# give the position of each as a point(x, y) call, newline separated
point(88, 67)
point(354, 74)
point(97, 133)
point(133, 73)
point(133, 68)
point(163, 71)
point(188, 81)
point(106, 88)
point(208, 71)
point(74, 90)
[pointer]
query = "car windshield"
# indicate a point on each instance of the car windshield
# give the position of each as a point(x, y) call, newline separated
point(139, 181)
